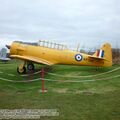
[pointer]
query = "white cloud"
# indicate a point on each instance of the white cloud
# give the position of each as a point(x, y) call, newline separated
point(89, 22)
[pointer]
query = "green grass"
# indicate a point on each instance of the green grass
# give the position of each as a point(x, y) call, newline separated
point(98, 100)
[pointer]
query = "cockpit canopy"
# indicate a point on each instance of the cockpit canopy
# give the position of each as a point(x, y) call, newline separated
point(46, 44)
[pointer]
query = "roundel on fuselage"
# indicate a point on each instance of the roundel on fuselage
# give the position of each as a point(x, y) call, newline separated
point(78, 57)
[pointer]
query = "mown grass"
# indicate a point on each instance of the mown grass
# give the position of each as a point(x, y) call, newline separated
point(97, 100)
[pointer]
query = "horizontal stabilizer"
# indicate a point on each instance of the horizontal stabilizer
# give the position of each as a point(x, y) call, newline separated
point(97, 58)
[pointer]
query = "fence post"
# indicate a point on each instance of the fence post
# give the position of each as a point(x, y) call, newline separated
point(42, 80)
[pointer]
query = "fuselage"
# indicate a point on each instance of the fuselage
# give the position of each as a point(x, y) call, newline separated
point(56, 56)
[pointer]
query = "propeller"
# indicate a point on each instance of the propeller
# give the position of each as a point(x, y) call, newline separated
point(8, 46)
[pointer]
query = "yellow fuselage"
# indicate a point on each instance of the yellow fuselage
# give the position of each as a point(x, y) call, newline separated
point(55, 56)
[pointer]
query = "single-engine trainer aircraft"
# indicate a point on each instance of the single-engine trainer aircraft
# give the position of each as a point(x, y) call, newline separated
point(52, 53)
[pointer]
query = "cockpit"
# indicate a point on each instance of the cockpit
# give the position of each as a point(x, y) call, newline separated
point(52, 45)
point(46, 44)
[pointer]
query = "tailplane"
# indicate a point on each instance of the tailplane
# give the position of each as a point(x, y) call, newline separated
point(106, 53)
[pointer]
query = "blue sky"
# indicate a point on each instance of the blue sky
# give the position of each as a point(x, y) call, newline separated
point(88, 22)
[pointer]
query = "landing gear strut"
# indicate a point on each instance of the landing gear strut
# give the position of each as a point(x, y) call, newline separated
point(21, 69)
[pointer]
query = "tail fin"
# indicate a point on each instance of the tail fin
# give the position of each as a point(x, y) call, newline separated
point(3, 53)
point(105, 52)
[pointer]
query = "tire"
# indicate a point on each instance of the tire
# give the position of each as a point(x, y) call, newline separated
point(23, 71)
point(30, 66)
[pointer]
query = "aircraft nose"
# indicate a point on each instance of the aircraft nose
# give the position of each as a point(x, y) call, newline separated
point(8, 46)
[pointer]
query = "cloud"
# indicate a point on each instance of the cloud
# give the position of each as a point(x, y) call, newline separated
point(89, 22)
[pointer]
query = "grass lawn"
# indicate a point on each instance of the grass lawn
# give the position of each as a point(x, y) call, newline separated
point(90, 100)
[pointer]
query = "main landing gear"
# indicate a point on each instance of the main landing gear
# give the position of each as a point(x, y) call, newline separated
point(30, 66)
point(22, 69)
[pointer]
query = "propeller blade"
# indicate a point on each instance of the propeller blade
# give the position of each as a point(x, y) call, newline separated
point(8, 46)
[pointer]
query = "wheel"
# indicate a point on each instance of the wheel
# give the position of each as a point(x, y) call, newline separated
point(21, 71)
point(30, 66)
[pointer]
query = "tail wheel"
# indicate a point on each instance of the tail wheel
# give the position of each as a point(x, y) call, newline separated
point(21, 71)
point(30, 66)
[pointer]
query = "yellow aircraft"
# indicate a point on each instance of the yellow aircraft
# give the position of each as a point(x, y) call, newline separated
point(52, 53)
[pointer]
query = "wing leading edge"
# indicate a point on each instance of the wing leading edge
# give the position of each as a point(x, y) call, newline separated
point(33, 59)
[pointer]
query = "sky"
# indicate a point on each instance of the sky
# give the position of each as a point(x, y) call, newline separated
point(88, 22)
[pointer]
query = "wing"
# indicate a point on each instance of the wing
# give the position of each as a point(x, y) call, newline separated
point(33, 59)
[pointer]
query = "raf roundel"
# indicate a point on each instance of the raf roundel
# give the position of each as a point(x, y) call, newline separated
point(78, 57)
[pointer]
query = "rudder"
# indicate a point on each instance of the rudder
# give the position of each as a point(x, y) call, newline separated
point(107, 52)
